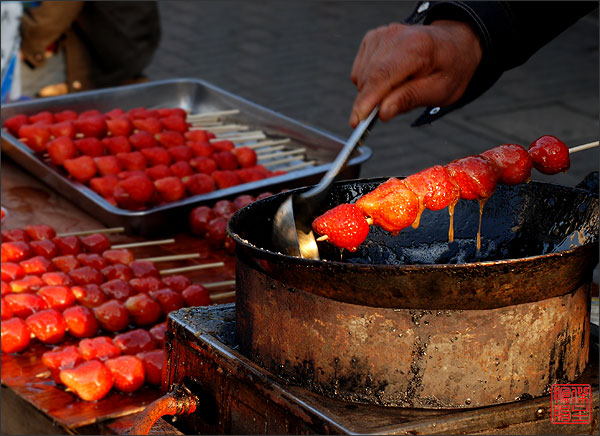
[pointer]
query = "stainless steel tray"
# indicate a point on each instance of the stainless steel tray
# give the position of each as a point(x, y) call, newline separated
point(195, 96)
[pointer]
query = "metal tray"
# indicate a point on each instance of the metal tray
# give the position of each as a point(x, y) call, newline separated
point(195, 96)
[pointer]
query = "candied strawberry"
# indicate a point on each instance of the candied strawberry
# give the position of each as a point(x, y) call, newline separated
point(198, 184)
point(434, 187)
point(15, 251)
point(105, 186)
point(176, 282)
point(57, 297)
point(391, 205)
point(15, 335)
point(61, 358)
point(226, 160)
point(139, 112)
point(14, 123)
point(216, 231)
point(150, 125)
point(11, 271)
point(171, 111)
point(145, 284)
point(345, 226)
point(56, 278)
point(127, 174)
point(196, 135)
point(143, 309)
point(47, 325)
point(66, 263)
point(36, 265)
point(226, 179)
point(243, 200)
point(181, 169)
point(81, 321)
point(42, 117)
point(86, 275)
point(5, 311)
point(67, 244)
point(66, 115)
point(26, 284)
point(120, 126)
point(35, 136)
point(205, 165)
point(175, 123)
point(117, 288)
point(90, 113)
point(158, 333)
point(100, 347)
point(168, 299)
point(223, 145)
point(92, 259)
point(156, 156)
point(91, 380)
point(40, 231)
point(246, 157)
point(65, 128)
point(108, 165)
point(196, 295)
point(139, 188)
point(5, 288)
point(201, 148)
point(224, 208)
point(157, 172)
point(118, 255)
point(117, 271)
point(95, 243)
point(153, 364)
point(44, 247)
point(90, 146)
point(112, 316)
point(170, 188)
point(142, 140)
point(144, 268)
point(91, 126)
point(550, 155)
point(169, 138)
point(115, 113)
point(128, 373)
point(134, 341)
point(81, 168)
point(117, 144)
point(476, 176)
point(180, 152)
point(513, 161)
point(89, 295)
point(12, 235)
point(200, 216)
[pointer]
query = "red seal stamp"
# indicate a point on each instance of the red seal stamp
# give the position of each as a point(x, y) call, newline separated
point(571, 404)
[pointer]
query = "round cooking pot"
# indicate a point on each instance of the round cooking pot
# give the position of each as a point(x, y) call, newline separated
point(538, 241)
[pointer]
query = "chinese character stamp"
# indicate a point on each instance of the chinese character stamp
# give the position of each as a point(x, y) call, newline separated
point(571, 404)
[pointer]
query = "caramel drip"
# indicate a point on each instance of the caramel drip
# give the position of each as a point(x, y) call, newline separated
point(417, 220)
point(451, 228)
point(481, 204)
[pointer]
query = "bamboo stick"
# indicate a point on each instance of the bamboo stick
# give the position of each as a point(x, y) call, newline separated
point(90, 232)
point(584, 147)
point(213, 114)
point(191, 268)
point(281, 153)
point(219, 284)
point(144, 243)
point(172, 257)
point(222, 296)
point(269, 142)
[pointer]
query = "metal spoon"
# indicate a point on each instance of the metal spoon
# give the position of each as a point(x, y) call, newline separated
point(292, 225)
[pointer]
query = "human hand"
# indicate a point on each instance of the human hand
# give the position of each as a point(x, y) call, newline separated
point(402, 67)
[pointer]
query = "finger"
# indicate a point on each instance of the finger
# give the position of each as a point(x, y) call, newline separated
point(367, 48)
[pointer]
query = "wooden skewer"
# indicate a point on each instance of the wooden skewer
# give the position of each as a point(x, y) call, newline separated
point(144, 243)
point(191, 268)
point(281, 154)
point(90, 232)
point(243, 134)
point(213, 114)
point(584, 147)
point(252, 137)
point(218, 284)
point(44, 374)
point(269, 149)
point(269, 142)
point(300, 165)
point(219, 127)
point(280, 161)
point(222, 295)
point(172, 257)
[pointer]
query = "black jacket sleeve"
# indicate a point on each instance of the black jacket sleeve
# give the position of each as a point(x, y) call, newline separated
point(510, 33)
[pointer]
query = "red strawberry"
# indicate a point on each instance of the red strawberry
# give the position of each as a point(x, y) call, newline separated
point(56, 278)
point(550, 155)
point(167, 112)
point(112, 316)
point(175, 123)
point(48, 326)
point(42, 117)
point(67, 244)
point(127, 174)
point(12, 235)
point(104, 186)
point(434, 187)
point(226, 179)
point(158, 172)
point(181, 169)
point(5, 289)
point(14, 123)
point(476, 176)
point(120, 126)
point(65, 128)
point(40, 231)
point(35, 136)
point(81, 168)
point(198, 184)
point(61, 358)
point(89, 295)
point(223, 145)
point(115, 113)
point(248, 175)
point(246, 157)
point(117, 144)
point(145, 284)
point(11, 271)
point(139, 188)
point(139, 112)
point(95, 243)
point(176, 282)
point(134, 341)
point(5, 311)
point(119, 255)
point(144, 268)
point(168, 299)
point(513, 161)
point(196, 135)
point(66, 115)
point(128, 373)
point(61, 149)
point(391, 205)
point(92, 259)
point(156, 156)
point(200, 216)
point(158, 333)
point(133, 161)
point(15, 251)
point(201, 148)
point(150, 125)
point(224, 208)
point(143, 309)
point(143, 139)
point(196, 295)
point(90, 113)
point(117, 289)
point(90, 146)
point(100, 347)
point(66, 263)
point(169, 138)
point(57, 297)
point(153, 364)
point(108, 165)
point(181, 152)
point(243, 200)
point(15, 335)
point(91, 380)
point(226, 160)
point(26, 284)
point(91, 126)
point(45, 248)
point(81, 321)
point(216, 232)
point(170, 189)
point(117, 271)
point(345, 226)
point(86, 275)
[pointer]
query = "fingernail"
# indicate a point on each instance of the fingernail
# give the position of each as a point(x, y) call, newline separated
point(390, 111)
point(354, 119)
